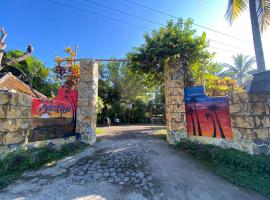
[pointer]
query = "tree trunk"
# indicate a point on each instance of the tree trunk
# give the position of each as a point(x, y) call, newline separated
point(256, 36)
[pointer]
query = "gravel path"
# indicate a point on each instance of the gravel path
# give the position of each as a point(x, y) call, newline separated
point(129, 163)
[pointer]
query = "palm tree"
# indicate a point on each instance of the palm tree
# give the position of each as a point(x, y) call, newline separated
point(213, 108)
point(190, 111)
point(259, 11)
point(241, 68)
point(209, 116)
point(193, 102)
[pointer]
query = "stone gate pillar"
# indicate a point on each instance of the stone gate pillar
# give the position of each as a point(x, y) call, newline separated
point(87, 101)
point(174, 100)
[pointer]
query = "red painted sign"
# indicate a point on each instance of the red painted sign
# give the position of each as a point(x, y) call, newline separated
point(54, 118)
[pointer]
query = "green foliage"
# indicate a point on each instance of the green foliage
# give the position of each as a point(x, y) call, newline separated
point(15, 163)
point(118, 108)
point(31, 71)
point(176, 39)
point(139, 109)
point(241, 70)
point(240, 168)
point(100, 105)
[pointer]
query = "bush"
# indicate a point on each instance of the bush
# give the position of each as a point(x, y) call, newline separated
point(15, 163)
point(118, 108)
point(240, 168)
point(139, 109)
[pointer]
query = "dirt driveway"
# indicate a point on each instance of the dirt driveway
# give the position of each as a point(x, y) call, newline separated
point(129, 163)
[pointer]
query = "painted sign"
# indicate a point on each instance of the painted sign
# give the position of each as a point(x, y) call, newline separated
point(54, 118)
point(207, 116)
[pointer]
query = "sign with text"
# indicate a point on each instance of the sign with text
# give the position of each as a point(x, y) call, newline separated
point(54, 118)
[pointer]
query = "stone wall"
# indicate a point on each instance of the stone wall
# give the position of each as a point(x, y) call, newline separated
point(87, 101)
point(15, 117)
point(174, 100)
point(250, 122)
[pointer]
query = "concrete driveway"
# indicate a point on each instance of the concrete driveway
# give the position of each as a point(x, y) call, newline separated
point(129, 163)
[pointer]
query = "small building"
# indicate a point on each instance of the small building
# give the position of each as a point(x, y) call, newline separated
point(10, 82)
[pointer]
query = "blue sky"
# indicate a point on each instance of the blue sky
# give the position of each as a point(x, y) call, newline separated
point(50, 27)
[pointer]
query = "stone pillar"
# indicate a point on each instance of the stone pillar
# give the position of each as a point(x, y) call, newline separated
point(87, 101)
point(174, 99)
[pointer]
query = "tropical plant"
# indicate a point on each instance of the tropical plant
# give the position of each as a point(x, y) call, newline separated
point(217, 86)
point(176, 40)
point(209, 116)
point(259, 11)
point(241, 69)
point(31, 70)
point(193, 101)
point(68, 69)
point(213, 108)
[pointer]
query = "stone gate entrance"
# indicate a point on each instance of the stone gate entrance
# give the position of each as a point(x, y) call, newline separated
point(88, 95)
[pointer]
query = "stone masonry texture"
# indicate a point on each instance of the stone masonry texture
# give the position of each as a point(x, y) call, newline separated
point(87, 101)
point(174, 99)
point(15, 117)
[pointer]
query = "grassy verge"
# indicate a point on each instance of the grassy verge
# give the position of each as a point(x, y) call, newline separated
point(99, 131)
point(240, 168)
point(161, 134)
point(15, 163)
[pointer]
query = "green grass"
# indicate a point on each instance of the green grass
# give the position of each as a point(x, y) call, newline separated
point(161, 134)
point(14, 164)
point(240, 168)
point(99, 131)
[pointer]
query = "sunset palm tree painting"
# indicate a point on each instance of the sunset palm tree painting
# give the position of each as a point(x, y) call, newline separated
point(207, 116)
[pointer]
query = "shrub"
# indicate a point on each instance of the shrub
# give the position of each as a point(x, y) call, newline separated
point(139, 109)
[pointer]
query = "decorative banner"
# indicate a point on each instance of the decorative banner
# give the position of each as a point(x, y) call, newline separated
point(207, 116)
point(54, 118)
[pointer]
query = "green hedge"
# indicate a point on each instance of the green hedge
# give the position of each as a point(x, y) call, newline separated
point(240, 168)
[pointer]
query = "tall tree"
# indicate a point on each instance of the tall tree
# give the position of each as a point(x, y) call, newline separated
point(259, 11)
point(128, 83)
point(241, 68)
point(176, 40)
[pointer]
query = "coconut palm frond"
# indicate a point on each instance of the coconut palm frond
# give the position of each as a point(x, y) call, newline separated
point(263, 12)
point(235, 7)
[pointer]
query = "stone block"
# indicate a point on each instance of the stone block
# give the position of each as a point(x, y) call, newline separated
point(24, 100)
point(258, 108)
point(13, 138)
point(8, 125)
point(86, 93)
point(242, 97)
point(4, 98)
point(2, 111)
point(86, 85)
point(262, 133)
point(259, 98)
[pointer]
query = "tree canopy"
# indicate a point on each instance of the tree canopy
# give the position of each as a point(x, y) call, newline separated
point(176, 39)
